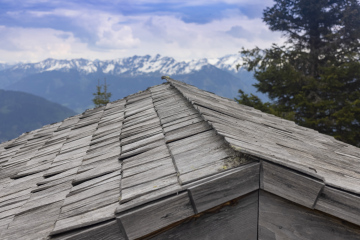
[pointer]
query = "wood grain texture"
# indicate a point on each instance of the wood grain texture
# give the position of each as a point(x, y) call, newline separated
point(232, 222)
point(136, 191)
point(278, 140)
point(340, 204)
point(34, 224)
point(225, 188)
point(156, 216)
point(287, 220)
point(186, 131)
point(86, 219)
point(102, 231)
point(290, 185)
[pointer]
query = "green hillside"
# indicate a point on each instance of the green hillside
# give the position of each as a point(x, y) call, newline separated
point(22, 112)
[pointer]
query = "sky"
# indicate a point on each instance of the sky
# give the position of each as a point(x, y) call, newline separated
point(34, 30)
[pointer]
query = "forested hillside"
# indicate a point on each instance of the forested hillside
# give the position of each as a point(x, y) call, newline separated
point(22, 112)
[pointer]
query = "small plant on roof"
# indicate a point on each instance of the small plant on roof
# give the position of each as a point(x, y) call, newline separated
point(101, 96)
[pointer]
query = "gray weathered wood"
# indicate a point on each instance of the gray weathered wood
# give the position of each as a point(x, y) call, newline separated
point(186, 131)
point(155, 216)
point(102, 231)
point(225, 188)
point(147, 187)
point(149, 197)
point(340, 204)
point(86, 219)
point(287, 220)
point(231, 222)
point(156, 153)
point(141, 135)
point(111, 166)
point(290, 185)
point(34, 224)
point(142, 142)
point(95, 182)
point(183, 124)
point(48, 196)
point(145, 166)
point(143, 149)
point(150, 174)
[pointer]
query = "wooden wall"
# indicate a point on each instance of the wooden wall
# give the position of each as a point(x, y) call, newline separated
point(281, 219)
point(238, 221)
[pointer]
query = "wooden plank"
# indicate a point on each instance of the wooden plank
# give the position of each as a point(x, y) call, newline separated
point(134, 110)
point(110, 167)
point(340, 204)
point(34, 224)
point(86, 219)
point(155, 216)
point(287, 220)
point(21, 184)
point(141, 127)
point(65, 166)
point(151, 174)
point(149, 197)
point(144, 166)
point(70, 172)
point(145, 188)
point(225, 188)
point(291, 185)
point(143, 149)
point(206, 155)
point(183, 124)
point(54, 183)
point(141, 143)
point(95, 182)
point(236, 220)
point(182, 114)
point(48, 196)
point(91, 199)
point(196, 141)
point(153, 154)
point(183, 119)
point(186, 131)
point(106, 231)
point(201, 172)
point(98, 164)
point(141, 135)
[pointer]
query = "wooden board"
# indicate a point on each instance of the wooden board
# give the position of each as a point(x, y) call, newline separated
point(289, 184)
point(86, 219)
point(237, 220)
point(105, 231)
point(287, 220)
point(340, 204)
point(148, 187)
point(155, 216)
point(34, 224)
point(142, 142)
point(225, 188)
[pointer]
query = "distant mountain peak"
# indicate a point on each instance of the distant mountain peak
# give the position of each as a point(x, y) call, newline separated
point(134, 66)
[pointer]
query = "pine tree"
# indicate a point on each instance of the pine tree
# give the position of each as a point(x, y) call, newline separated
point(102, 97)
point(314, 78)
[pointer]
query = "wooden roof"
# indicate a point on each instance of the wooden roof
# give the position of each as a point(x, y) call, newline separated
point(169, 149)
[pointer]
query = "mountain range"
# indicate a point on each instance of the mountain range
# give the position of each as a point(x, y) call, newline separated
point(72, 82)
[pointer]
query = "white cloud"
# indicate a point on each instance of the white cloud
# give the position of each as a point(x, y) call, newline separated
point(115, 35)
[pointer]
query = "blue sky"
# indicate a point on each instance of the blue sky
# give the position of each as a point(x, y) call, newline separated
point(33, 30)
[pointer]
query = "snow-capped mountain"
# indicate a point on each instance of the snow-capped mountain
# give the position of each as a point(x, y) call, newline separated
point(4, 66)
point(72, 82)
point(133, 66)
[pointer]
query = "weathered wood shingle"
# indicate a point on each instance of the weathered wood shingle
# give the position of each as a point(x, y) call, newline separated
point(169, 159)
